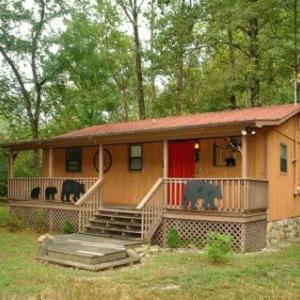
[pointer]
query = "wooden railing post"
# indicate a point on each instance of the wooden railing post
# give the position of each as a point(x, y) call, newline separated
point(10, 175)
point(50, 162)
point(101, 162)
point(11, 165)
point(244, 156)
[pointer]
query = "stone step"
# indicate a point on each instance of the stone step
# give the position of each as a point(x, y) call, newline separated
point(132, 257)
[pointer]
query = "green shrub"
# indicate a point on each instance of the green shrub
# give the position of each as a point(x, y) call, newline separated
point(173, 238)
point(68, 227)
point(14, 223)
point(218, 246)
point(40, 222)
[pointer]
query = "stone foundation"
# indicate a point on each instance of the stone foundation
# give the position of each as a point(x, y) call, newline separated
point(283, 230)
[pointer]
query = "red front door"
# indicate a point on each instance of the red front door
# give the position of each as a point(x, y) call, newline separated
point(181, 165)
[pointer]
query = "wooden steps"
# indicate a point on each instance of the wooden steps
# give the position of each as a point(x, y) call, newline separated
point(131, 259)
point(88, 252)
point(116, 222)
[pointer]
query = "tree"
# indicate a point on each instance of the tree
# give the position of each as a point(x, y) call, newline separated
point(27, 54)
point(132, 9)
point(296, 52)
point(95, 82)
point(175, 45)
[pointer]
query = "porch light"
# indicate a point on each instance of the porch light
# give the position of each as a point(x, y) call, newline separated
point(248, 131)
point(244, 132)
point(197, 151)
point(253, 131)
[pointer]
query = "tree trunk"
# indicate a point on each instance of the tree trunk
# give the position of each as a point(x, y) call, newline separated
point(125, 102)
point(179, 83)
point(138, 68)
point(254, 82)
point(231, 58)
point(36, 155)
point(152, 74)
point(296, 58)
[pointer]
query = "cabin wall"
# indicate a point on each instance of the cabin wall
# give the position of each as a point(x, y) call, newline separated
point(283, 203)
point(205, 167)
point(126, 187)
point(129, 187)
point(256, 156)
point(121, 185)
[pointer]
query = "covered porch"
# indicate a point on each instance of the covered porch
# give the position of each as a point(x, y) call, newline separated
point(147, 178)
point(157, 189)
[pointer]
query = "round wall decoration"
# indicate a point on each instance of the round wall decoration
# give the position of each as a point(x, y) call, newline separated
point(107, 160)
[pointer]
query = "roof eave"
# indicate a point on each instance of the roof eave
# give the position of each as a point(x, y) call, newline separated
point(38, 144)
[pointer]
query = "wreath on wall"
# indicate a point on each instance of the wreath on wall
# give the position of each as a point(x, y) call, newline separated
point(107, 160)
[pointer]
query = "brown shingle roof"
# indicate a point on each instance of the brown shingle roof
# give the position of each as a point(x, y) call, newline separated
point(267, 113)
point(258, 116)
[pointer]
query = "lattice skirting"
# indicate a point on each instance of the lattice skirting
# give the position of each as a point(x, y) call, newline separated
point(247, 236)
point(53, 218)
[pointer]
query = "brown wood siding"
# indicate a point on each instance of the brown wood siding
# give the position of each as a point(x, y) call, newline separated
point(282, 202)
point(126, 187)
point(129, 187)
point(205, 167)
point(121, 186)
point(256, 162)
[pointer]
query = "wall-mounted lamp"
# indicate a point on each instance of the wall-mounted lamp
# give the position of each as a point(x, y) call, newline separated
point(197, 151)
point(248, 131)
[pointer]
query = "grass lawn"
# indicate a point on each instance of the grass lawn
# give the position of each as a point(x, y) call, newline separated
point(274, 275)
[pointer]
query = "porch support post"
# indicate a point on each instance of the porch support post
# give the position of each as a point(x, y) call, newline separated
point(244, 156)
point(166, 168)
point(101, 161)
point(50, 163)
point(10, 165)
point(166, 159)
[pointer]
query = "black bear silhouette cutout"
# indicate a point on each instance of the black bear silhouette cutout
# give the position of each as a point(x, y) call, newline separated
point(35, 193)
point(50, 192)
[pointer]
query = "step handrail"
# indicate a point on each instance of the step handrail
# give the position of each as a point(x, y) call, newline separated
point(150, 193)
point(89, 193)
point(151, 208)
point(90, 202)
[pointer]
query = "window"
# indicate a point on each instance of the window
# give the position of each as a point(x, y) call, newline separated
point(135, 158)
point(73, 160)
point(283, 158)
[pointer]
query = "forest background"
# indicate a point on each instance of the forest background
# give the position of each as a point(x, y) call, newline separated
point(72, 64)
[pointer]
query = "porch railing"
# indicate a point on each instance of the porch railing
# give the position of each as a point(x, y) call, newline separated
point(238, 195)
point(151, 208)
point(90, 203)
point(21, 188)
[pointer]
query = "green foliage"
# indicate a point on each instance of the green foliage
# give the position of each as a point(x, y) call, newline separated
point(173, 238)
point(68, 227)
point(258, 276)
point(200, 56)
point(14, 223)
point(218, 246)
point(40, 225)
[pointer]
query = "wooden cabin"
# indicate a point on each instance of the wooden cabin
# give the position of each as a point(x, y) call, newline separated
point(104, 178)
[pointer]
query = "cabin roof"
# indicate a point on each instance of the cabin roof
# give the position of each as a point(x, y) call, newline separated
point(257, 116)
point(261, 114)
